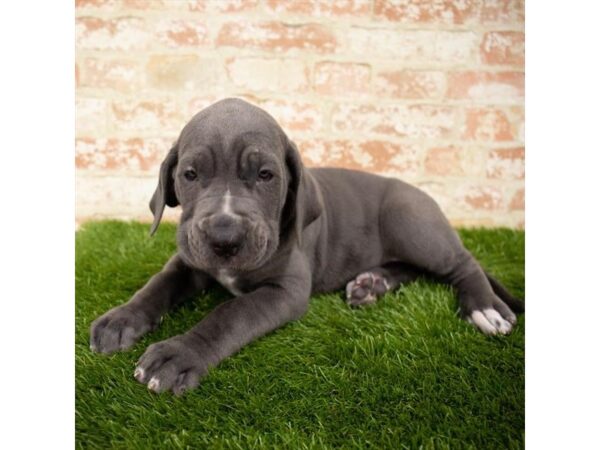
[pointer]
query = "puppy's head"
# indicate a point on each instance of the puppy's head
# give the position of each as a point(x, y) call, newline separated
point(239, 181)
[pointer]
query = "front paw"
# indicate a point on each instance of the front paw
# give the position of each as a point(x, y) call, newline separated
point(119, 329)
point(172, 364)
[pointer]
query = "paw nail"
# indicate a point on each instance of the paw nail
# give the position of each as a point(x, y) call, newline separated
point(139, 373)
point(153, 384)
point(93, 347)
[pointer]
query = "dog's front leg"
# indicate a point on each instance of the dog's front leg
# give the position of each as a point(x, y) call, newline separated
point(124, 325)
point(178, 363)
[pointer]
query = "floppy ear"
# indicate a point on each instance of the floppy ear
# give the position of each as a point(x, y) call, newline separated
point(165, 191)
point(303, 201)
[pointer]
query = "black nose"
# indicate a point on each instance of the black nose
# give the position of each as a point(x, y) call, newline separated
point(225, 235)
point(225, 249)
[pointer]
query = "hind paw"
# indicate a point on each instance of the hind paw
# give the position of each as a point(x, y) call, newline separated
point(365, 289)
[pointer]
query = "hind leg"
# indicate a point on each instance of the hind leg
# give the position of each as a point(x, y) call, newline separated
point(416, 232)
point(367, 286)
point(478, 302)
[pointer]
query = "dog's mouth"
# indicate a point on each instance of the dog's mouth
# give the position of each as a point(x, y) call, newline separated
point(249, 254)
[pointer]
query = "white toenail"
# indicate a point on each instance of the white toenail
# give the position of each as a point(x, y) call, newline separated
point(479, 319)
point(349, 287)
point(153, 383)
point(493, 316)
point(139, 373)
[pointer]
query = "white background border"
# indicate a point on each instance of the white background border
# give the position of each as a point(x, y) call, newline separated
point(37, 79)
point(563, 224)
point(37, 226)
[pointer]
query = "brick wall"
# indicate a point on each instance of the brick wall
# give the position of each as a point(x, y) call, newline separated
point(430, 91)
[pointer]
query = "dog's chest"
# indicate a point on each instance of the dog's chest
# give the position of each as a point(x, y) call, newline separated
point(228, 281)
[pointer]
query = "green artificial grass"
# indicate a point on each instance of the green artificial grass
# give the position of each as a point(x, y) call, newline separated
point(403, 373)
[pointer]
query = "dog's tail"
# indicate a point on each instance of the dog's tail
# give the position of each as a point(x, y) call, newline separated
point(517, 305)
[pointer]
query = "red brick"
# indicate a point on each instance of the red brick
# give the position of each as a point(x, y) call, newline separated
point(503, 47)
point(444, 161)
point(487, 124)
point(226, 6)
point(150, 4)
point(320, 8)
point(268, 74)
point(488, 87)
point(180, 72)
point(518, 201)
point(122, 33)
point(116, 74)
point(413, 121)
point(506, 163)
point(293, 115)
point(112, 5)
point(95, 3)
point(128, 155)
point(410, 84)
point(161, 117)
point(414, 46)
point(427, 11)
point(516, 115)
point(176, 33)
point(277, 36)
point(374, 155)
point(503, 12)
point(483, 198)
point(390, 157)
point(333, 78)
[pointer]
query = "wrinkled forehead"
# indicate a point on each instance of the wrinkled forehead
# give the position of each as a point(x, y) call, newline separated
point(230, 130)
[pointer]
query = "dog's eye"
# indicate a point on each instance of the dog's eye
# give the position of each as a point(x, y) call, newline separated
point(190, 174)
point(265, 175)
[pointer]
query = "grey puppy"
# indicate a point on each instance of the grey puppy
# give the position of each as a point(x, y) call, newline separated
point(273, 232)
